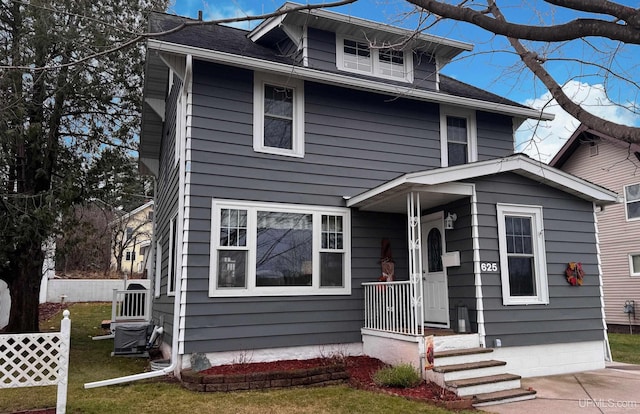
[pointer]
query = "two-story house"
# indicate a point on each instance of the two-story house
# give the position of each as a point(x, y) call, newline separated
point(613, 164)
point(285, 155)
point(131, 240)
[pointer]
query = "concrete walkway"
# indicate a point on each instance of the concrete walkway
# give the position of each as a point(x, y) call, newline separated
point(615, 389)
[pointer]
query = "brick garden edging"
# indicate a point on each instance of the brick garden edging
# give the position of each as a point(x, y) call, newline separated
point(317, 376)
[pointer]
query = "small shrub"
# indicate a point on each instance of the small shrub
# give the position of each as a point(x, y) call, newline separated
point(401, 376)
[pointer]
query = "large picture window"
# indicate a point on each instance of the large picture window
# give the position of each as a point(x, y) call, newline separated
point(522, 255)
point(632, 201)
point(278, 118)
point(278, 249)
point(357, 56)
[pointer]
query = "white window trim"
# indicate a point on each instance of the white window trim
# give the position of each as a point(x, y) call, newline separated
point(539, 253)
point(251, 288)
point(375, 62)
point(626, 210)
point(158, 273)
point(261, 79)
point(631, 272)
point(472, 132)
point(171, 278)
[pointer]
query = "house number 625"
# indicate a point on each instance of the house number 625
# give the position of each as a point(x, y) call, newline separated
point(489, 266)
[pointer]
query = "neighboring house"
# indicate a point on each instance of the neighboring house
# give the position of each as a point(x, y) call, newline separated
point(613, 164)
point(285, 155)
point(131, 240)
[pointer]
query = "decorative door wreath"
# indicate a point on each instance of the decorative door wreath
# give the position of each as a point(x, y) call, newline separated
point(574, 273)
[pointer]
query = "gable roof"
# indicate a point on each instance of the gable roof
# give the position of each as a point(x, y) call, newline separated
point(584, 134)
point(391, 194)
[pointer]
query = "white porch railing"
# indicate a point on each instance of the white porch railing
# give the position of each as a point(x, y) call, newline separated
point(39, 359)
point(130, 305)
point(388, 307)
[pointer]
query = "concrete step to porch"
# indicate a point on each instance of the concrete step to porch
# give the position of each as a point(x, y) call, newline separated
point(503, 397)
point(461, 356)
point(484, 385)
point(469, 370)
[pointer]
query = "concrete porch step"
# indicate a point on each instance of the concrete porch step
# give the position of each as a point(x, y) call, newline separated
point(468, 366)
point(461, 356)
point(484, 385)
point(502, 397)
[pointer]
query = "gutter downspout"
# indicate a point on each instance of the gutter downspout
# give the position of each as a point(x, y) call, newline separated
point(173, 366)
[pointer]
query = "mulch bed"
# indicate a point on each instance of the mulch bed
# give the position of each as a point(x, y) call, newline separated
point(360, 370)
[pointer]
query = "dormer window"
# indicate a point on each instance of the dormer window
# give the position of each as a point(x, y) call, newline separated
point(359, 57)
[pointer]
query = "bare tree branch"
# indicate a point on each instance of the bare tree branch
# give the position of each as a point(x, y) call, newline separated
point(572, 30)
point(186, 23)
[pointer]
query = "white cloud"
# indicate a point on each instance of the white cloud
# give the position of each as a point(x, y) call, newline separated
point(549, 136)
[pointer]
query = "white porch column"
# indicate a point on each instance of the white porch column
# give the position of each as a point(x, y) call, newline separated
point(415, 261)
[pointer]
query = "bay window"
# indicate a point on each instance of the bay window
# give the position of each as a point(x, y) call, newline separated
point(277, 249)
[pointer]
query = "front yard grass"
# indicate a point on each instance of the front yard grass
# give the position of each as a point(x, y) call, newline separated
point(91, 361)
point(625, 348)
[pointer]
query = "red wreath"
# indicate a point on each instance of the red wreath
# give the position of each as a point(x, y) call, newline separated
point(574, 273)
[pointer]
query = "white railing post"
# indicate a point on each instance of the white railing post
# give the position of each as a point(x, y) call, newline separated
point(415, 262)
point(114, 305)
point(63, 364)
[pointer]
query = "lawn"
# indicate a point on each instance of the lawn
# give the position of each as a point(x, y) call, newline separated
point(91, 361)
point(625, 348)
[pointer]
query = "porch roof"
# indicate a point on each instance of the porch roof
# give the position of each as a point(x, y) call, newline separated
point(450, 183)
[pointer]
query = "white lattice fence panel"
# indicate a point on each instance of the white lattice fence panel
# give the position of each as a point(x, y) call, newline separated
point(39, 359)
point(30, 360)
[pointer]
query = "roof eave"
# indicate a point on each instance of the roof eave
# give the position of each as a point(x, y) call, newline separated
point(519, 164)
point(344, 80)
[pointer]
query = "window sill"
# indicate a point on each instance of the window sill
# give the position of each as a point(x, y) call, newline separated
point(236, 293)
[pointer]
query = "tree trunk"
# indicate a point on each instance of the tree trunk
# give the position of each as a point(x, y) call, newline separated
point(25, 293)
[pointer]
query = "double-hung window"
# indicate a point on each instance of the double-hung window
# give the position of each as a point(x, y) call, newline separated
point(634, 264)
point(359, 57)
point(522, 255)
point(277, 249)
point(632, 201)
point(278, 115)
point(457, 136)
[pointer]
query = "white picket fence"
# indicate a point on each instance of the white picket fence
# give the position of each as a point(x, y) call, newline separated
point(39, 359)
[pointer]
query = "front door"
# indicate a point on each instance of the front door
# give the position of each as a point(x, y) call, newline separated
point(434, 275)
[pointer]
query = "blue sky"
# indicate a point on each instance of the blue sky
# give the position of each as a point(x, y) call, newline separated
point(492, 65)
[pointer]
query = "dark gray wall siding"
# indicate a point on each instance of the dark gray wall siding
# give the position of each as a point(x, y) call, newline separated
point(354, 141)
point(573, 313)
point(495, 135)
point(424, 71)
point(166, 208)
point(321, 49)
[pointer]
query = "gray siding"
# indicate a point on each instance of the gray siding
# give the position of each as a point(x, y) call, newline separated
point(166, 208)
point(573, 313)
point(495, 135)
point(424, 71)
point(321, 49)
point(354, 141)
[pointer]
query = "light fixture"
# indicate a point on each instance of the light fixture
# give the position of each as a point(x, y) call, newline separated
point(448, 222)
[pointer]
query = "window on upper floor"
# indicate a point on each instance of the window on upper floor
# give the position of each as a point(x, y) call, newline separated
point(632, 201)
point(634, 264)
point(266, 249)
point(129, 233)
point(278, 115)
point(358, 56)
point(523, 265)
point(130, 256)
point(457, 136)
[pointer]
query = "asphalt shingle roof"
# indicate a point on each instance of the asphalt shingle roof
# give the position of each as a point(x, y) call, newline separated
point(235, 41)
